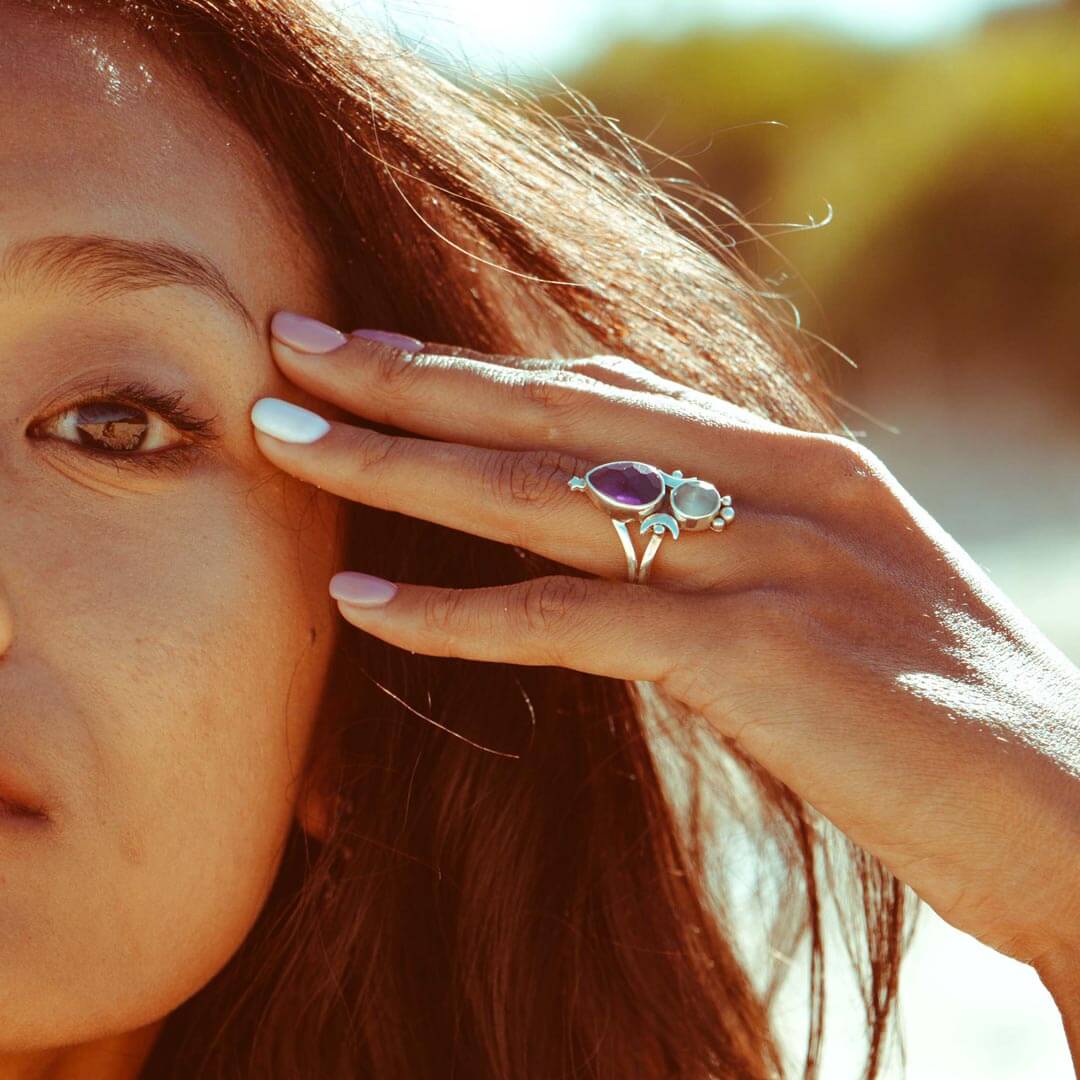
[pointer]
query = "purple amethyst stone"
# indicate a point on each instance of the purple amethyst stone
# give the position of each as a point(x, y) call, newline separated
point(629, 483)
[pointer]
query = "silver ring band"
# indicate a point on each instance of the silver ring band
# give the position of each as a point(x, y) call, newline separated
point(628, 548)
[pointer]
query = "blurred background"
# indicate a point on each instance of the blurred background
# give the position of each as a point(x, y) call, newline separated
point(913, 170)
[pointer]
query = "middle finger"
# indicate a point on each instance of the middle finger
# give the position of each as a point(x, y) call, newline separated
point(498, 403)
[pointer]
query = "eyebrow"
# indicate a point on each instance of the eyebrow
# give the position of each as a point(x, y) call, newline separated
point(103, 266)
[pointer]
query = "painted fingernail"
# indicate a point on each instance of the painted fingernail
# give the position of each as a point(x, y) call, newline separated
point(388, 337)
point(286, 421)
point(305, 334)
point(363, 589)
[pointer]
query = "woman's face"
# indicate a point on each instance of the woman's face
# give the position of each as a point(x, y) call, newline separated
point(164, 633)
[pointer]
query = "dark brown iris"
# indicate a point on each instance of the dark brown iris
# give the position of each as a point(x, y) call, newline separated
point(110, 426)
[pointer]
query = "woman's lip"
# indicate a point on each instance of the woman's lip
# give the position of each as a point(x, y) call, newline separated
point(16, 798)
point(11, 809)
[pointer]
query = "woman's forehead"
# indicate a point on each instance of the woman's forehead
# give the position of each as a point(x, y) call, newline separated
point(103, 136)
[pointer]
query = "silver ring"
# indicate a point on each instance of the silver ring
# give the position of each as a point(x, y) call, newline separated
point(635, 491)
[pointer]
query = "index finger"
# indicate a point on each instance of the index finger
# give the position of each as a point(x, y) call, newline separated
point(481, 402)
point(438, 348)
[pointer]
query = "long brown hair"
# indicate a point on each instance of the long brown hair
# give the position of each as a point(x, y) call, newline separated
point(547, 895)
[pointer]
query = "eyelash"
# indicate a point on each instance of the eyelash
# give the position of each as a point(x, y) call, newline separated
point(170, 406)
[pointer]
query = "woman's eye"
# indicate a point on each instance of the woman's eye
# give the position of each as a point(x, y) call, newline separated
point(112, 427)
point(132, 424)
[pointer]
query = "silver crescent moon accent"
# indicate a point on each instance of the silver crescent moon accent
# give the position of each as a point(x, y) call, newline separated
point(657, 523)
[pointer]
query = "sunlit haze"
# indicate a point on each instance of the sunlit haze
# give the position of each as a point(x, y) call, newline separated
point(559, 32)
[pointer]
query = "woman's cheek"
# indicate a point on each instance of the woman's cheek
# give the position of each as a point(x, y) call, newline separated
point(194, 673)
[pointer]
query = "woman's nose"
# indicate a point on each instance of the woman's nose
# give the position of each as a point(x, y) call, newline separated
point(12, 549)
point(7, 622)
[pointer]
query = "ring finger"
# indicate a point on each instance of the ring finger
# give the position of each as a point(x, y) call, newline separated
point(520, 498)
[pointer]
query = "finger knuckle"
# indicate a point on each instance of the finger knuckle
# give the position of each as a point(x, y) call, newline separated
point(853, 472)
point(597, 367)
point(532, 477)
point(557, 395)
point(544, 604)
point(371, 449)
point(552, 388)
point(396, 371)
point(442, 611)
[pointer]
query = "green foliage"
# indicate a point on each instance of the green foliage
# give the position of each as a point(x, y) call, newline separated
point(952, 170)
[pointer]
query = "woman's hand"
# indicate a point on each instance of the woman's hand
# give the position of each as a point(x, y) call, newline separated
point(834, 631)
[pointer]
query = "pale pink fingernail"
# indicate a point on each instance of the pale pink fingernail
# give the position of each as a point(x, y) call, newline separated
point(388, 337)
point(305, 334)
point(363, 589)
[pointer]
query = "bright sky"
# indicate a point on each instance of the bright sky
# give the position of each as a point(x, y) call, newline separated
point(558, 32)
